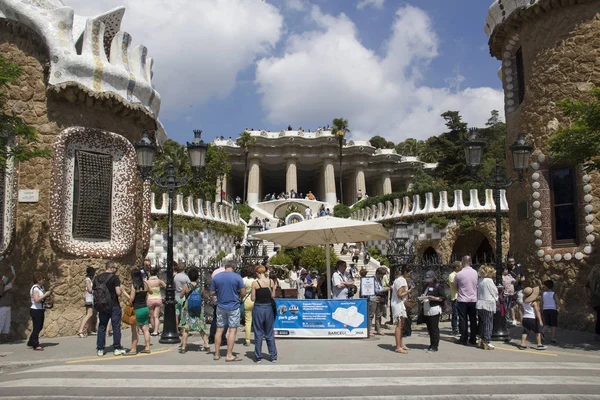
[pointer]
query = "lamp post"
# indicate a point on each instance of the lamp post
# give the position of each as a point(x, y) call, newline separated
point(146, 150)
point(251, 254)
point(520, 150)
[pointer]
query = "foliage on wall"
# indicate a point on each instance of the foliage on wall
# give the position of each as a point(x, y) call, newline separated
point(341, 211)
point(245, 210)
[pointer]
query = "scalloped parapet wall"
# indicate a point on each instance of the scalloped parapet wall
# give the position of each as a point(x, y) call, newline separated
point(196, 208)
point(406, 209)
point(125, 74)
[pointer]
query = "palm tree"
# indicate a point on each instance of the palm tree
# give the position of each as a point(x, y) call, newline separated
point(340, 128)
point(244, 141)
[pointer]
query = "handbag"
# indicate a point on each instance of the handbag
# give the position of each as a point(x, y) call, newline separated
point(274, 307)
point(128, 316)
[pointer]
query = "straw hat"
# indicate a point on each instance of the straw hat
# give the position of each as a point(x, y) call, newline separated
point(531, 294)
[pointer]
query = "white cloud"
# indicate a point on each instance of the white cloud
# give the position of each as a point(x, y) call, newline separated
point(328, 73)
point(199, 46)
point(370, 3)
point(295, 5)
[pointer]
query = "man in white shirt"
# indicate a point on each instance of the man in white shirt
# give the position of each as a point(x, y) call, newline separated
point(340, 281)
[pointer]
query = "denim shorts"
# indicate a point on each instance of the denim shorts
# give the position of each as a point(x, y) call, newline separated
point(230, 318)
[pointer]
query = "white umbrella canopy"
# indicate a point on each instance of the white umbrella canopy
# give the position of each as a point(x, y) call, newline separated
point(325, 231)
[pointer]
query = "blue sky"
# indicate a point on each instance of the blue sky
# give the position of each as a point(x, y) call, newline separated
point(389, 66)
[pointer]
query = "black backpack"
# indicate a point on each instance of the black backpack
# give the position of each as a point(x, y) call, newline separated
point(102, 298)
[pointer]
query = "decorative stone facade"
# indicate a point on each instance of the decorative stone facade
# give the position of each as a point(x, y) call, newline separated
point(560, 45)
point(103, 117)
point(305, 161)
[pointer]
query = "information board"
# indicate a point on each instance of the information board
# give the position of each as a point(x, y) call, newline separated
point(321, 318)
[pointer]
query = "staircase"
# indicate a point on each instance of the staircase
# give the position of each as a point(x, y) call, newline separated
point(371, 266)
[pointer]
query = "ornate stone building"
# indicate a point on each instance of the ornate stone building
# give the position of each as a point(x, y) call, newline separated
point(306, 161)
point(549, 51)
point(89, 94)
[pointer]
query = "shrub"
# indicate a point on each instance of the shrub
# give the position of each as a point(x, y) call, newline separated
point(341, 211)
point(313, 257)
point(438, 220)
point(281, 258)
point(245, 211)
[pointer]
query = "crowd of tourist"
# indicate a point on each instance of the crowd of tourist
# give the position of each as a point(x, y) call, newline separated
point(474, 296)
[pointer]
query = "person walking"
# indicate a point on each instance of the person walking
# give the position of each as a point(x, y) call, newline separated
point(37, 295)
point(466, 282)
point(107, 290)
point(247, 302)
point(487, 298)
point(88, 293)
point(154, 301)
point(432, 299)
point(228, 287)
point(139, 298)
point(179, 281)
point(453, 296)
point(6, 284)
point(192, 317)
point(263, 317)
point(532, 318)
point(400, 290)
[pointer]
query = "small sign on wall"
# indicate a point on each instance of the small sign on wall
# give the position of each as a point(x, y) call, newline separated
point(29, 196)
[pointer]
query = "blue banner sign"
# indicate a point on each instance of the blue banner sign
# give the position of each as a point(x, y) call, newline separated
point(321, 318)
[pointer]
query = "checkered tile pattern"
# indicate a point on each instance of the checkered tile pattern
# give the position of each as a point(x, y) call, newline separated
point(417, 231)
point(193, 246)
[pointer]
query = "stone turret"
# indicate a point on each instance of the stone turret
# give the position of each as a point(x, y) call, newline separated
point(549, 50)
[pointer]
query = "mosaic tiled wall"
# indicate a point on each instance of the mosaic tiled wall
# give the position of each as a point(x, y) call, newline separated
point(192, 246)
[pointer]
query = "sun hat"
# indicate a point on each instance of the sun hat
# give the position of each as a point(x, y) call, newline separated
point(429, 276)
point(531, 294)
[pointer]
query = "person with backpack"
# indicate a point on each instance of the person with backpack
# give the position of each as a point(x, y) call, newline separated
point(107, 290)
point(192, 312)
point(432, 298)
point(138, 299)
point(592, 288)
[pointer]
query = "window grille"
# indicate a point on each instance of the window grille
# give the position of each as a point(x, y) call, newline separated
point(92, 195)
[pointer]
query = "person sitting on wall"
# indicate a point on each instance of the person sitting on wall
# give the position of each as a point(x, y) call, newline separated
point(344, 250)
point(310, 195)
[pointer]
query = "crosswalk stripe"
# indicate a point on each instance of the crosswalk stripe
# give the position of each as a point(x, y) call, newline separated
point(506, 381)
point(238, 368)
point(394, 397)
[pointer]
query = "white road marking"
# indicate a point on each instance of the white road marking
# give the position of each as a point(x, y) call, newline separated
point(507, 381)
point(251, 367)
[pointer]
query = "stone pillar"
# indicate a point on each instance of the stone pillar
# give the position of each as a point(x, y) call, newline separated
point(329, 180)
point(386, 183)
point(253, 181)
point(291, 177)
point(360, 183)
point(221, 184)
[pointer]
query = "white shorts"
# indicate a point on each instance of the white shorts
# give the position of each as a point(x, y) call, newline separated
point(398, 311)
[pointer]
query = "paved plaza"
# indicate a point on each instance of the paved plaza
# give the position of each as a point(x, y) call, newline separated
point(309, 368)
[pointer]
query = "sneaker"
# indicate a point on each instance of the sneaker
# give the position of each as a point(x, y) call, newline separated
point(100, 353)
point(258, 361)
point(274, 360)
point(119, 352)
point(431, 350)
point(541, 347)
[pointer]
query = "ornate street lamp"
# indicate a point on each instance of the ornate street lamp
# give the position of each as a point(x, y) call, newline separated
point(400, 250)
point(146, 150)
point(521, 151)
point(252, 254)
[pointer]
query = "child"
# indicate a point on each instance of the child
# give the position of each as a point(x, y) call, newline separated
point(550, 308)
point(532, 318)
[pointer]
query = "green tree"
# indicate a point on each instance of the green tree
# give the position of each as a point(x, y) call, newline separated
point(17, 139)
point(245, 140)
point(341, 211)
point(423, 182)
point(313, 257)
point(579, 143)
point(495, 148)
point(452, 166)
point(340, 128)
point(204, 188)
point(379, 142)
